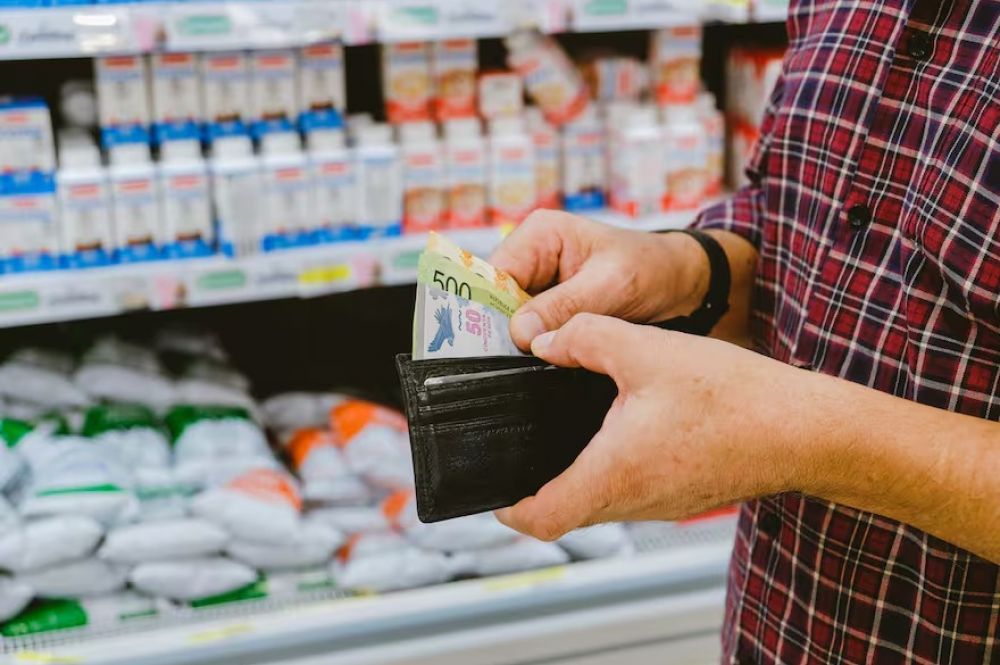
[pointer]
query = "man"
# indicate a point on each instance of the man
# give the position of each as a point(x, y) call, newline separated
point(865, 269)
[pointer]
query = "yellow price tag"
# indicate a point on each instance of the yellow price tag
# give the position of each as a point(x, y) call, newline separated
point(526, 580)
point(325, 275)
point(221, 634)
point(46, 658)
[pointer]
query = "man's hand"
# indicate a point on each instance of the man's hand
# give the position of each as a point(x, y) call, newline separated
point(575, 265)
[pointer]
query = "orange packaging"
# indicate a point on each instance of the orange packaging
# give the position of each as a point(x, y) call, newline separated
point(304, 442)
point(269, 486)
point(676, 64)
point(351, 417)
point(454, 64)
point(406, 77)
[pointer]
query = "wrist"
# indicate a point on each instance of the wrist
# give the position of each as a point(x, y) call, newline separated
point(688, 273)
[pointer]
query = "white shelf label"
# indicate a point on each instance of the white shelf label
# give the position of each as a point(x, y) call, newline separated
point(252, 24)
point(65, 32)
point(418, 20)
point(598, 15)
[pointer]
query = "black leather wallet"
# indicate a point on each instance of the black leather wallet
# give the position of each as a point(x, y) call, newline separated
point(488, 432)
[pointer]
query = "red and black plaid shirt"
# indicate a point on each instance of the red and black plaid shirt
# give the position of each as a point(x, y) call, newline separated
point(874, 205)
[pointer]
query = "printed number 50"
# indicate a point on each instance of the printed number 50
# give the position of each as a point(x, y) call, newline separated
point(473, 321)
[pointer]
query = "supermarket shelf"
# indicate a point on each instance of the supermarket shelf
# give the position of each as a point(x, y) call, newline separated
point(86, 30)
point(48, 297)
point(674, 560)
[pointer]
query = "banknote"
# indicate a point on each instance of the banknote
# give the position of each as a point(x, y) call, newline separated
point(500, 281)
point(447, 325)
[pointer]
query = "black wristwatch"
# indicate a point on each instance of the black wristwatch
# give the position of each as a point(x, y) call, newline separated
point(716, 302)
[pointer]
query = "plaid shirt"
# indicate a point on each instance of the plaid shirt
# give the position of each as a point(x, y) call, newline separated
point(874, 206)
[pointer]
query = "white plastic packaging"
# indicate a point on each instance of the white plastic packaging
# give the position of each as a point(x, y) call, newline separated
point(549, 76)
point(137, 447)
point(313, 546)
point(638, 181)
point(274, 99)
point(375, 443)
point(685, 145)
point(405, 568)
point(423, 178)
point(583, 163)
point(598, 542)
point(466, 162)
point(408, 86)
point(524, 554)
point(178, 109)
point(475, 532)
point(164, 540)
point(288, 186)
point(14, 597)
point(335, 177)
point(262, 505)
point(353, 520)
point(326, 477)
point(118, 371)
point(85, 209)
point(225, 80)
point(48, 542)
point(187, 203)
point(380, 181)
point(135, 195)
point(213, 445)
point(512, 191)
point(79, 579)
point(236, 193)
point(289, 412)
point(192, 579)
point(41, 376)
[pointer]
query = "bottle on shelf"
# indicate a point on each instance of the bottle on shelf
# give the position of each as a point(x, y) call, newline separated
point(465, 159)
point(135, 195)
point(512, 191)
point(85, 210)
point(584, 166)
point(638, 181)
point(685, 146)
point(289, 203)
point(548, 164)
point(187, 200)
point(380, 184)
point(335, 177)
point(423, 177)
point(236, 193)
point(550, 77)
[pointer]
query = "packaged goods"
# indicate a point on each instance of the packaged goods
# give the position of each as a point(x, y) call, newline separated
point(280, 585)
point(686, 159)
point(368, 543)
point(26, 142)
point(48, 542)
point(523, 554)
point(314, 545)
point(29, 230)
point(465, 162)
point(225, 81)
point(103, 611)
point(214, 444)
point(584, 166)
point(676, 64)
point(751, 75)
point(14, 597)
point(616, 77)
point(189, 229)
point(597, 542)
point(135, 198)
point(163, 540)
point(12, 467)
point(163, 493)
point(41, 376)
point(191, 579)
point(423, 178)
point(122, 372)
point(236, 194)
point(9, 519)
point(501, 94)
point(406, 77)
point(288, 412)
point(512, 191)
point(380, 185)
point(355, 520)
point(262, 505)
point(638, 178)
point(404, 568)
point(178, 110)
point(85, 207)
point(274, 99)
point(78, 104)
point(375, 443)
point(549, 76)
point(454, 65)
point(325, 475)
point(78, 579)
point(288, 192)
point(123, 99)
point(715, 131)
point(335, 177)
point(465, 533)
point(322, 96)
point(72, 476)
point(548, 165)
point(208, 381)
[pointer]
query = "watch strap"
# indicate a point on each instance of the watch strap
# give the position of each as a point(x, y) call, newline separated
point(716, 302)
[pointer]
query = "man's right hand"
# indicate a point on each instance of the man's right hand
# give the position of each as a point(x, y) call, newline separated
point(575, 266)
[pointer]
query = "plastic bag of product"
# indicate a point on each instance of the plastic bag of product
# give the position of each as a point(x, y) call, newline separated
point(163, 540)
point(375, 442)
point(86, 577)
point(189, 343)
point(401, 568)
point(103, 611)
point(474, 532)
point(132, 432)
point(14, 597)
point(207, 381)
point(162, 494)
point(371, 543)
point(191, 579)
point(289, 412)
point(12, 464)
point(118, 371)
point(72, 476)
point(314, 545)
point(597, 542)
point(42, 377)
point(262, 506)
point(212, 444)
point(325, 475)
point(48, 542)
point(352, 519)
point(9, 519)
point(523, 554)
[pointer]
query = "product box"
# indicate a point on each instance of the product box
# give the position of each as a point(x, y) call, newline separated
point(274, 100)
point(675, 61)
point(584, 166)
point(178, 110)
point(616, 78)
point(26, 142)
point(501, 94)
point(454, 64)
point(322, 95)
point(225, 83)
point(123, 99)
point(29, 231)
point(550, 77)
point(406, 77)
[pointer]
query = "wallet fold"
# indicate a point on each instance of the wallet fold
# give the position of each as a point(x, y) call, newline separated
point(488, 432)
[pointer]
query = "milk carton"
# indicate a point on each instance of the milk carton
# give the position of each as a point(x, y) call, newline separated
point(178, 110)
point(584, 167)
point(512, 192)
point(335, 176)
point(187, 200)
point(322, 96)
point(638, 182)
point(29, 232)
point(548, 160)
point(287, 183)
point(25, 135)
point(685, 146)
point(423, 178)
point(676, 64)
point(225, 82)
point(274, 99)
point(85, 210)
point(123, 99)
point(466, 169)
point(406, 77)
point(135, 196)
point(380, 185)
point(454, 65)
point(236, 193)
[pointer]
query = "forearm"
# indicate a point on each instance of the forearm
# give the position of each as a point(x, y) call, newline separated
point(930, 468)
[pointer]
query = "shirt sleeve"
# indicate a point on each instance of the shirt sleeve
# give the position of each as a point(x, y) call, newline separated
point(743, 212)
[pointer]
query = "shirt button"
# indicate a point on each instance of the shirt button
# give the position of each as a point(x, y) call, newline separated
point(920, 45)
point(859, 217)
point(770, 524)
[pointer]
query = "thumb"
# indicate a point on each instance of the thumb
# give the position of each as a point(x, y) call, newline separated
point(552, 309)
point(598, 343)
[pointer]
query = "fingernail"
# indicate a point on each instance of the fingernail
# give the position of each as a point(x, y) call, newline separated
point(527, 326)
point(542, 343)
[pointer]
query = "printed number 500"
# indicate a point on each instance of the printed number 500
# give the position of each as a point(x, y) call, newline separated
point(452, 285)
